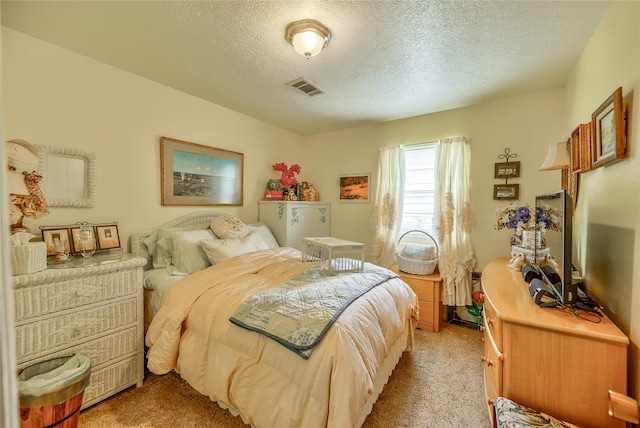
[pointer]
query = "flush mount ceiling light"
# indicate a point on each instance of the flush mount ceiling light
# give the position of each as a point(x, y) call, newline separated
point(308, 37)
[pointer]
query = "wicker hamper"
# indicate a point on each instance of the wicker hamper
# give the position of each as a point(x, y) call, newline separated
point(417, 266)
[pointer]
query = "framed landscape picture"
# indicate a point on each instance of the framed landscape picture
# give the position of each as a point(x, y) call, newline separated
point(608, 131)
point(193, 174)
point(354, 188)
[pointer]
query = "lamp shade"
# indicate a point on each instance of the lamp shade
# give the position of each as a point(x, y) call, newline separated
point(308, 37)
point(557, 157)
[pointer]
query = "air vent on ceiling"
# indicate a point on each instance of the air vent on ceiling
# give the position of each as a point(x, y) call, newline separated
point(303, 85)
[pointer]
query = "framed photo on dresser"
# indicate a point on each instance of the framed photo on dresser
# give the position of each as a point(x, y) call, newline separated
point(107, 236)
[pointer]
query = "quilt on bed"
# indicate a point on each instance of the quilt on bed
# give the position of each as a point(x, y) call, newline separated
point(256, 377)
point(298, 313)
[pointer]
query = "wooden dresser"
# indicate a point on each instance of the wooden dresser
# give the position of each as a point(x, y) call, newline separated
point(547, 358)
point(428, 288)
point(95, 310)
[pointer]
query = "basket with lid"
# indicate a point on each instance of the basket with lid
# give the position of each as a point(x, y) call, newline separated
point(417, 256)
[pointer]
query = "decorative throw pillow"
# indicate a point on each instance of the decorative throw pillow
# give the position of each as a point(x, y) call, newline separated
point(265, 233)
point(228, 226)
point(218, 250)
point(187, 255)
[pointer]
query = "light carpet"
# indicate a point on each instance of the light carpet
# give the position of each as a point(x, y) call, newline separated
point(438, 385)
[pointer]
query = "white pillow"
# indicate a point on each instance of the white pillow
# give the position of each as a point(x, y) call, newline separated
point(187, 255)
point(228, 226)
point(265, 233)
point(218, 250)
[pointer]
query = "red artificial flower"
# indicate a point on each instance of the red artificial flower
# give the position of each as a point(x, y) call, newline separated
point(478, 296)
point(288, 178)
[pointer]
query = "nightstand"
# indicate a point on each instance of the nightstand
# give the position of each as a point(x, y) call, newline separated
point(428, 288)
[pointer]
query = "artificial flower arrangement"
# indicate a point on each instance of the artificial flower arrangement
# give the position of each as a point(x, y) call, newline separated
point(520, 218)
point(475, 308)
point(288, 178)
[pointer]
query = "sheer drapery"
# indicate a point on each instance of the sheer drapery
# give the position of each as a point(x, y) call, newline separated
point(452, 221)
point(387, 211)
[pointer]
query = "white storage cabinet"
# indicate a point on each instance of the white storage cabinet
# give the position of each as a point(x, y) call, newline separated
point(291, 221)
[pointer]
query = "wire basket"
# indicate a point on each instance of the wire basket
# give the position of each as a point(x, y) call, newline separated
point(417, 266)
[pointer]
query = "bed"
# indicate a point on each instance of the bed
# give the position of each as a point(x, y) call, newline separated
point(203, 327)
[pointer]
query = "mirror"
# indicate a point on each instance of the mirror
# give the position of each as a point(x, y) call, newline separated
point(68, 177)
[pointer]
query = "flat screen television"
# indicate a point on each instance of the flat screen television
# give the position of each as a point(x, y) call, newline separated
point(554, 213)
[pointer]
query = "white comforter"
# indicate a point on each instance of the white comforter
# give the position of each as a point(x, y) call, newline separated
point(261, 380)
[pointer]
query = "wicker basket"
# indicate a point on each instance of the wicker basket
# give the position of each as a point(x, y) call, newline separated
point(418, 267)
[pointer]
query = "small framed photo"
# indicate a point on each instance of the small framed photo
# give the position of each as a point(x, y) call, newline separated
point(608, 131)
point(107, 236)
point(193, 174)
point(58, 240)
point(354, 188)
point(506, 191)
point(75, 238)
point(507, 169)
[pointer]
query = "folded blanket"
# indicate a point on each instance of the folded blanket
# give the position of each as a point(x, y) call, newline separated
point(297, 313)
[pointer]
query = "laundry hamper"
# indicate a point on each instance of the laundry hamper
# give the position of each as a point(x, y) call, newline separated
point(51, 392)
point(418, 259)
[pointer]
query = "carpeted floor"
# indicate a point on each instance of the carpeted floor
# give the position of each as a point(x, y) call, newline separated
point(438, 385)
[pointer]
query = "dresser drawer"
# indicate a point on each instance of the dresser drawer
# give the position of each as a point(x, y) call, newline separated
point(492, 363)
point(43, 299)
point(100, 351)
point(492, 323)
point(424, 289)
point(41, 338)
point(109, 380)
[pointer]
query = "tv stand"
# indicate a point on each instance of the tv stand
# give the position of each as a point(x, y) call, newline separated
point(548, 358)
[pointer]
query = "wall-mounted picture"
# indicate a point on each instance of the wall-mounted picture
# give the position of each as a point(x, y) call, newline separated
point(354, 187)
point(506, 191)
point(58, 240)
point(107, 236)
point(608, 130)
point(507, 169)
point(193, 174)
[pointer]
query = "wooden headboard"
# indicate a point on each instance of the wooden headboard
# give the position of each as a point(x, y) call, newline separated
point(136, 239)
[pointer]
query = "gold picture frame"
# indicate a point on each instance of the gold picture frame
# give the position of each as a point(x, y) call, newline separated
point(51, 235)
point(507, 169)
point(107, 236)
point(608, 131)
point(506, 191)
point(354, 188)
point(194, 174)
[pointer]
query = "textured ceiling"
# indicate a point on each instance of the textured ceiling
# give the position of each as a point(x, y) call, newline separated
point(386, 59)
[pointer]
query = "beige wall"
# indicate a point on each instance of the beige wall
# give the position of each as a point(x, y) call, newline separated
point(607, 226)
point(55, 97)
point(525, 125)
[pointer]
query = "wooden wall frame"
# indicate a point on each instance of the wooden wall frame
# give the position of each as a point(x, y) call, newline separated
point(608, 130)
point(506, 191)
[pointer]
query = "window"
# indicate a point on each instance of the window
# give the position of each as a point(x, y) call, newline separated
point(419, 188)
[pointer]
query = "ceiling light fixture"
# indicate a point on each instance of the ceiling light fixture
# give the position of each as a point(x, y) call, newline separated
point(308, 37)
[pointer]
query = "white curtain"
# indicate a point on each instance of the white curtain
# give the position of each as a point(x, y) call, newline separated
point(452, 221)
point(387, 212)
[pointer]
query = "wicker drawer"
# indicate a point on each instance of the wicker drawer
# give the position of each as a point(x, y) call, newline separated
point(43, 299)
point(100, 351)
point(107, 381)
point(41, 338)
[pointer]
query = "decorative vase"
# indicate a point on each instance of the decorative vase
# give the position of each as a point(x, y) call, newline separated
point(532, 239)
point(273, 184)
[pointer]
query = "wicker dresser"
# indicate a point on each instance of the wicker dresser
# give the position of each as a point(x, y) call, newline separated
point(95, 310)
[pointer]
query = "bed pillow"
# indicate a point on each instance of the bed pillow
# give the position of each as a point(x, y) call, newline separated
point(228, 226)
point(218, 250)
point(187, 255)
point(161, 257)
point(265, 233)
